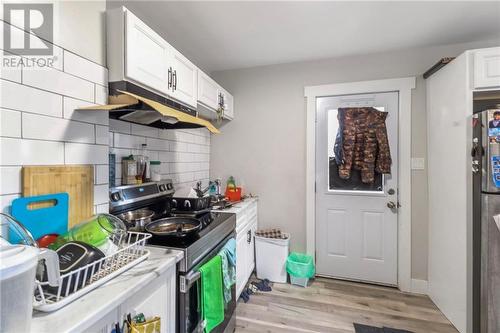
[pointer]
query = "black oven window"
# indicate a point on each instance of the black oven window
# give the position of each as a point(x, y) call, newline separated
point(193, 307)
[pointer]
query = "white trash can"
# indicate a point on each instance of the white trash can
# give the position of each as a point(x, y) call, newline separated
point(270, 257)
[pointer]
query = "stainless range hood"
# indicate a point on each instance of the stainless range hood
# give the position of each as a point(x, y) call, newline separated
point(147, 108)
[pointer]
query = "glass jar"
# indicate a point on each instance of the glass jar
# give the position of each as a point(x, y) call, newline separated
point(155, 167)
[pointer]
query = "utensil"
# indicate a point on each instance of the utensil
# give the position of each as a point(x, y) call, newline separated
point(174, 227)
point(137, 219)
point(41, 220)
point(76, 180)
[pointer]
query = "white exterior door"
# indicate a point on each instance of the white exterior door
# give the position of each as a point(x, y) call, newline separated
point(356, 223)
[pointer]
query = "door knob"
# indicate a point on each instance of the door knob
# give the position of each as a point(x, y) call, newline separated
point(391, 204)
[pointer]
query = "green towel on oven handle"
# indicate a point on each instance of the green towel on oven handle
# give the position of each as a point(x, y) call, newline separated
point(212, 300)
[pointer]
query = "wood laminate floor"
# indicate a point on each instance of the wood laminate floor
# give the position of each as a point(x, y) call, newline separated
point(333, 306)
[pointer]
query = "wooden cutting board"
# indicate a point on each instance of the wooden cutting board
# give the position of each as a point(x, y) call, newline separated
point(76, 180)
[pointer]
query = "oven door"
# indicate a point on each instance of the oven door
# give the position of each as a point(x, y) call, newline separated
point(189, 318)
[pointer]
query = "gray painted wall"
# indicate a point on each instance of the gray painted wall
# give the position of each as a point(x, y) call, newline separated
point(264, 147)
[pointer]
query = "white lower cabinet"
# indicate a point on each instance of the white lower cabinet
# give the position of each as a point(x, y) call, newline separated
point(157, 298)
point(241, 260)
point(246, 225)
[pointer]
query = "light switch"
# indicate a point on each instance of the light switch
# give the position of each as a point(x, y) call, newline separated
point(417, 163)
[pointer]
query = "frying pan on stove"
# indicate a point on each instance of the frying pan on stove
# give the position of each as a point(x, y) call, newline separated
point(174, 227)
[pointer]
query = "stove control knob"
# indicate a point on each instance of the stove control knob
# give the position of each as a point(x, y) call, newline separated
point(169, 186)
point(162, 188)
point(115, 196)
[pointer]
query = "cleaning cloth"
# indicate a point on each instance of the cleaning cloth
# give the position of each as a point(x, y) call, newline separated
point(212, 303)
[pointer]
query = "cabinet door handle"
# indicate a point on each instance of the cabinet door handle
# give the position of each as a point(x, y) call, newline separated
point(174, 88)
point(169, 77)
point(249, 236)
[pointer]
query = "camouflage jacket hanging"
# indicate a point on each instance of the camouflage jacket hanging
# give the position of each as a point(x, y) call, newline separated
point(362, 144)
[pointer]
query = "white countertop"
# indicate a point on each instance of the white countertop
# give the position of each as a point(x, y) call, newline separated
point(236, 208)
point(91, 307)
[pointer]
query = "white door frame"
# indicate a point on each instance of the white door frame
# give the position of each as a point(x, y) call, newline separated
point(403, 86)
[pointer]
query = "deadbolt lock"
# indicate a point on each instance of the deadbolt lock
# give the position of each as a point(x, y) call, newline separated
point(391, 191)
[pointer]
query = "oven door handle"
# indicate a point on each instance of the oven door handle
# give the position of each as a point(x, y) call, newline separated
point(185, 282)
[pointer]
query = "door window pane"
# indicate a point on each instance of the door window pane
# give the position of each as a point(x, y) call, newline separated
point(354, 183)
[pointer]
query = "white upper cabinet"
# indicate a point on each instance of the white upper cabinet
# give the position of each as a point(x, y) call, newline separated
point(228, 103)
point(213, 96)
point(208, 91)
point(183, 80)
point(487, 68)
point(146, 54)
point(136, 53)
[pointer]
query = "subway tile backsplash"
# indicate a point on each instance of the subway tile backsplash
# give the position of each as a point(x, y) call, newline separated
point(40, 126)
point(184, 153)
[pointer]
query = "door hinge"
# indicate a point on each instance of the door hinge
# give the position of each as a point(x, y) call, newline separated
point(314, 187)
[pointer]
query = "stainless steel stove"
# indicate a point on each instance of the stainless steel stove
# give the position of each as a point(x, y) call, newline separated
point(217, 228)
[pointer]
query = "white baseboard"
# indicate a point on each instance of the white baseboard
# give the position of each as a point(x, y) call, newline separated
point(419, 286)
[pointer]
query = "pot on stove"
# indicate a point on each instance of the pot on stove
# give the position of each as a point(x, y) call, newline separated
point(137, 219)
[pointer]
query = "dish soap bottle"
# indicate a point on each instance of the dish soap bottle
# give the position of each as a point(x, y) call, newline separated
point(231, 183)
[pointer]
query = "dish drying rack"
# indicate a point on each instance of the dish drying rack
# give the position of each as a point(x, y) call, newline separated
point(77, 283)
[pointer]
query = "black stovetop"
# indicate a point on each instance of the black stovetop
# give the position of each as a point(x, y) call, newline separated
point(209, 221)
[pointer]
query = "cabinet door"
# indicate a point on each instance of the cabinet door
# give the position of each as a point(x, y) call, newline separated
point(105, 324)
point(228, 105)
point(157, 298)
point(487, 68)
point(184, 79)
point(208, 91)
point(241, 261)
point(146, 55)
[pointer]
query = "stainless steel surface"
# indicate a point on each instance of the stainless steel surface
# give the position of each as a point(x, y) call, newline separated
point(144, 117)
point(190, 319)
point(137, 219)
point(129, 197)
point(174, 226)
point(202, 247)
point(490, 149)
point(486, 235)
point(186, 281)
point(490, 265)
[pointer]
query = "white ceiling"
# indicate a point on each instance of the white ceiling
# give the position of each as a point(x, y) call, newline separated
point(228, 35)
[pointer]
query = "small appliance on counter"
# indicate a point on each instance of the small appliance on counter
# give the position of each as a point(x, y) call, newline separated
point(191, 228)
